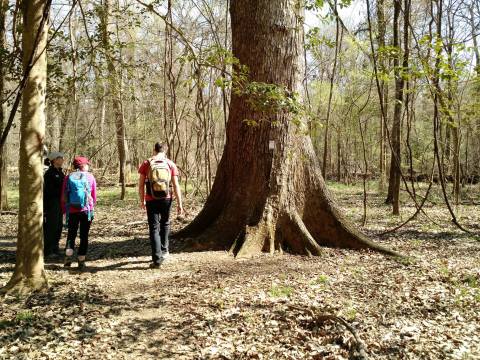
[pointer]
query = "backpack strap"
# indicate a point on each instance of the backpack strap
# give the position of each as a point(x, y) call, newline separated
point(88, 191)
point(67, 200)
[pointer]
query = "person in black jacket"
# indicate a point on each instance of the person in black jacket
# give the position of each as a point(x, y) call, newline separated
point(52, 211)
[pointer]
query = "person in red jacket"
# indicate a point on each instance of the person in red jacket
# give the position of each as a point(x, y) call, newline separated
point(158, 205)
point(78, 214)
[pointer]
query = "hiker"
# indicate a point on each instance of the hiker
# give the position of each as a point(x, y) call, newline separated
point(157, 175)
point(52, 210)
point(79, 196)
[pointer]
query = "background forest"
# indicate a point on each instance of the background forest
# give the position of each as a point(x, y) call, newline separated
point(379, 79)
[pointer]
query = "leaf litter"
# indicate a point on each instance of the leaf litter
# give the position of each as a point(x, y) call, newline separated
point(210, 306)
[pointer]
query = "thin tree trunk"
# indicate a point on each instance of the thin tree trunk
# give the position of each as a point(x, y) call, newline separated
point(339, 153)
point(446, 148)
point(29, 267)
point(365, 169)
point(437, 103)
point(456, 163)
point(103, 109)
point(55, 127)
point(466, 172)
point(410, 115)
point(452, 125)
point(327, 142)
point(167, 63)
point(382, 29)
point(406, 86)
point(224, 92)
point(3, 71)
point(73, 58)
point(115, 92)
point(395, 162)
point(63, 126)
point(476, 48)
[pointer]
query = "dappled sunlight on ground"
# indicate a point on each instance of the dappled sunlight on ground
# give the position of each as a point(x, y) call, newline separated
point(210, 306)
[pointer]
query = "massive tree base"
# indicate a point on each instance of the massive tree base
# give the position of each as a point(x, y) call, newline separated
point(297, 215)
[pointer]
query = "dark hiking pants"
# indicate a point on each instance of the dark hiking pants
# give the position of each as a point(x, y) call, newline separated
point(158, 214)
point(76, 220)
point(52, 227)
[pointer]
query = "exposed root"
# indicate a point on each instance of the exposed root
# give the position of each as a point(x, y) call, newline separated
point(22, 286)
point(296, 236)
point(255, 237)
point(14, 282)
point(287, 230)
point(260, 236)
point(218, 236)
point(359, 351)
point(362, 242)
point(336, 231)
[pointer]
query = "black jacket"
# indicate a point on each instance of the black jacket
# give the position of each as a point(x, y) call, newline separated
point(52, 185)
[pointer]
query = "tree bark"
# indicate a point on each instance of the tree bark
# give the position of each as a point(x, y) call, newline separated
point(452, 126)
point(29, 268)
point(474, 39)
point(382, 29)
point(327, 142)
point(62, 142)
point(395, 161)
point(115, 92)
point(103, 108)
point(3, 71)
point(54, 117)
point(266, 199)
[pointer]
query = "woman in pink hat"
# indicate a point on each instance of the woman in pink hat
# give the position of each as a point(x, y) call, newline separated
point(79, 196)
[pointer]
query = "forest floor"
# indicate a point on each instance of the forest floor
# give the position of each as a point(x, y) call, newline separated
point(210, 306)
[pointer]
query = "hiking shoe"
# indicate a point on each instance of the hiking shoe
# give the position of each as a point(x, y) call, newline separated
point(67, 263)
point(81, 265)
point(154, 266)
point(165, 255)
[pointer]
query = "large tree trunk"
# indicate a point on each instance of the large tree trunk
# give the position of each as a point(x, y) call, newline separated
point(262, 198)
point(29, 270)
point(3, 71)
